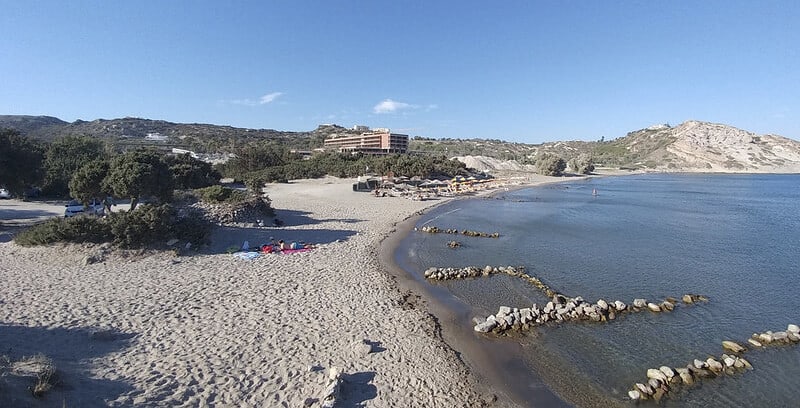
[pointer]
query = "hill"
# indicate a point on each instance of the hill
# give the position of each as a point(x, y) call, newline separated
point(693, 146)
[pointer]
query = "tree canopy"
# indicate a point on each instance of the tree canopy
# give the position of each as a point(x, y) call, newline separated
point(63, 157)
point(138, 174)
point(20, 161)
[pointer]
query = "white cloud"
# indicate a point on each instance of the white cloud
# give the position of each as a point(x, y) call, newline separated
point(261, 101)
point(269, 98)
point(390, 106)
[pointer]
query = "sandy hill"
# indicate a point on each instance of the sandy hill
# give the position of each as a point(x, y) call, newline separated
point(711, 147)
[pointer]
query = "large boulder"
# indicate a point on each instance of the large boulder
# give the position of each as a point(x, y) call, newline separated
point(733, 347)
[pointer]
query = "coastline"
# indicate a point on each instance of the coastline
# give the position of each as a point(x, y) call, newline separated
point(150, 328)
point(489, 359)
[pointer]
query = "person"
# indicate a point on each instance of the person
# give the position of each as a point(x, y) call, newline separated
point(267, 248)
point(282, 245)
point(294, 245)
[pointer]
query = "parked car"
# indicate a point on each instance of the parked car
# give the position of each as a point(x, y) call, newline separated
point(76, 207)
point(4, 193)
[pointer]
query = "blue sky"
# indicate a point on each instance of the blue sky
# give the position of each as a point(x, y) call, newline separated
point(527, 71)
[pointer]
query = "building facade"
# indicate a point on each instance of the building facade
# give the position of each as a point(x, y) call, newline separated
point(370, 143)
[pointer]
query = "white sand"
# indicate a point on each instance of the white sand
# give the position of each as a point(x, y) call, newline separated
point(214, 330)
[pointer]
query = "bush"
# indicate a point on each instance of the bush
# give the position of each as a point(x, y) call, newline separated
point(550, 165)
point(140, 227)
point(149, 225)
point(191, 226)
point(78, 229)
point(145, 226)
point(220, 194)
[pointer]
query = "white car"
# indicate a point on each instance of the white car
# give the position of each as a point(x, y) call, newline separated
point(76, 207)
point(4, 193)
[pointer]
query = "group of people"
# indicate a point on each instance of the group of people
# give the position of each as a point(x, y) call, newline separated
point(282, 245)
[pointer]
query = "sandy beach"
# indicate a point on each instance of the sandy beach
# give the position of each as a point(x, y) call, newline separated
point(209, 329)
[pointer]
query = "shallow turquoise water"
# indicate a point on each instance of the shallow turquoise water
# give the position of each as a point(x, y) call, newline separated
point(733, 238)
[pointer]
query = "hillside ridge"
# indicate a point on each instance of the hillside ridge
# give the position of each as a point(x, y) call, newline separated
point(692, 146)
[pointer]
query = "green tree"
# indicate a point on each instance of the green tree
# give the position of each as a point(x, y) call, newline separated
point(550, 165)
point(20, 162)
point(87, 183)
point(63, 157)
point(139, 174)
point(191, 173)
point(582, 164)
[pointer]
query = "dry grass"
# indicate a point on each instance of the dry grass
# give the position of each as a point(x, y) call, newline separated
point(39, 367)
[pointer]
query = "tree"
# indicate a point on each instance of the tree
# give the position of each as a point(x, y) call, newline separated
point(191, 173)
point(87, 183)
point(582, 164)
point(139, 174)
point(64, 156)
point(20, 162)
point(550, 165)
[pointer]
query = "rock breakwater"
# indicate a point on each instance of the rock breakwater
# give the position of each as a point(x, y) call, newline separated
point(436, 230)
point(663, 380)
point(561, 308)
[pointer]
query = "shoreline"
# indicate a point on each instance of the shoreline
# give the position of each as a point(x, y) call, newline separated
point(487, 358)
point(212, 328)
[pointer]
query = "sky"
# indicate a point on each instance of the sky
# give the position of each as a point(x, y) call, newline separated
point(520, 71)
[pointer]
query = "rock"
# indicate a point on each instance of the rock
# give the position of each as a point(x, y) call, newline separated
point(654, 307)
point(667, 371)
point(668, 306)
point(793, 328)
point(634, 395)
point(687, 299)
point(746, 363)
point(699, 363)
point(754, 342)
point(685, 376)
point(714, 365)
point(659, 394)
point(733, 347)
point(765, 338)
point(654, 383)
point(503, 311)
point(729, 361)
point(620, 306)
point(644, 389)
point(487, 326)
point(361, 348)
point(640, 303)
point(793, 337)
point(602, 304)
point(656, 374)
point(172, 242)
point(780, 336)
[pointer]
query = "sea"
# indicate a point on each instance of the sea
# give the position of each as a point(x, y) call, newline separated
point(732, 238)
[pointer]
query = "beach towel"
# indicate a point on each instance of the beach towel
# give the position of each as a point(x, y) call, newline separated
point(247, 255)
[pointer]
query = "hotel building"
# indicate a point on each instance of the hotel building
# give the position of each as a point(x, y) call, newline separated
point(376, 142)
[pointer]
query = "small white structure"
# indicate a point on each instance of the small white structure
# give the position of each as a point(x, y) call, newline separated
point(155, 137)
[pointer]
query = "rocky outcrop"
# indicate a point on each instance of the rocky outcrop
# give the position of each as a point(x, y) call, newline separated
point(250, 211)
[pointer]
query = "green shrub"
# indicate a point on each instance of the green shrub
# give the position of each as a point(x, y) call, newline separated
point(140, 227)
point(151, 225)
point(220, 194)
point(82, 228)
point(190, 226)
